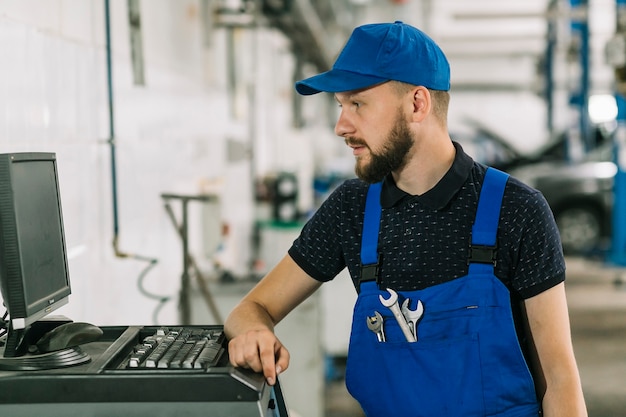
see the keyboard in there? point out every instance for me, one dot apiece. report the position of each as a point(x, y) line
point(138, 371)
point(177, 348)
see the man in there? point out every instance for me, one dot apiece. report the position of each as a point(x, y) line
point(462, 355)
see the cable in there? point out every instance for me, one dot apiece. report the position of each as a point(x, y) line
point(140, 285)
point(4, 327)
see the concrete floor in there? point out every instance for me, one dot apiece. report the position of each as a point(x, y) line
point(597, 304)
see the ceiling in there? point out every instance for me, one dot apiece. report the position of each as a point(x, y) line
point(491, 44)
point(468, 31)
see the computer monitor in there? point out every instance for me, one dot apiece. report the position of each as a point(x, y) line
point(34, 278)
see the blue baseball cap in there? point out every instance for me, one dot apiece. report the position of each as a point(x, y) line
point(381, 52)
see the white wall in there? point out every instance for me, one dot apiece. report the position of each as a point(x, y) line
point(170, 136)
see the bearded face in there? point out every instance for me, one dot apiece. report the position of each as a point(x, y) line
point(391, 157)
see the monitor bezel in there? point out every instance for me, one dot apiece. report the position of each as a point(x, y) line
point(23, 312)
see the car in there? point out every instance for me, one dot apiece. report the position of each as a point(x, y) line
point(580, 195)
point(486, 146)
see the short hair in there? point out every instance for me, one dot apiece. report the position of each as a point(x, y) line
point(440, 100)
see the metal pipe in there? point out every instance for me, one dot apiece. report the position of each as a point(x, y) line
point(111, 140)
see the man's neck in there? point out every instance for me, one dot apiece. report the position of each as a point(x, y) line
point(430, 161)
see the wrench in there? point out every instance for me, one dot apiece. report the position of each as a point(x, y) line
point(392, 304)
point(375, 324)
point(412, 316)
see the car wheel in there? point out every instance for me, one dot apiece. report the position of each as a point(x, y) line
point(580, 228)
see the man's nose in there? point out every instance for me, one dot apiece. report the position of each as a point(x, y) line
point(343, 126)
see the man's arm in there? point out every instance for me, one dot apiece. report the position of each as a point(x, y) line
point(549, 324)
point(250, 326)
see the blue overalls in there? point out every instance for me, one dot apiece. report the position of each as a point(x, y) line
point(467, 360)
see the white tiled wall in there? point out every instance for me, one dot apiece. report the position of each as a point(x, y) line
point(170, 136)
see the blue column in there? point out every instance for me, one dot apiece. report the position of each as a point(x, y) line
point(579, 97)
point(618, 243)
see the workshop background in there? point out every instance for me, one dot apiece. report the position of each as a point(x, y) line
point(187, 163)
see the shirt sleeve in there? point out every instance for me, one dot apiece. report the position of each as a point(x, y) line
point(537, 263)
point(318, 250)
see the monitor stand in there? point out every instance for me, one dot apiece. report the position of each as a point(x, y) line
point(18, 355)
point(37, 362)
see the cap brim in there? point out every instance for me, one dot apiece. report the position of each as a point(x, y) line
point(335, 81)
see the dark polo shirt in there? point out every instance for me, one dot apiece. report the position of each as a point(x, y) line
point(424, 240)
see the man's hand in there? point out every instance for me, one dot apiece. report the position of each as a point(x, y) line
point(250, 326)
point(261, 351)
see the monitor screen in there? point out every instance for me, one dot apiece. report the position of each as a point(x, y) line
point(34, 275)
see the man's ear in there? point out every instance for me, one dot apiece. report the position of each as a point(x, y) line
point(421, 103)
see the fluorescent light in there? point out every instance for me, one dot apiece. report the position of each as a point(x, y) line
point(602, 108)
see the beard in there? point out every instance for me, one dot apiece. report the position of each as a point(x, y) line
point(393, 155)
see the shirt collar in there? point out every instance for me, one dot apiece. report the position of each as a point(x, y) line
point(440, 195)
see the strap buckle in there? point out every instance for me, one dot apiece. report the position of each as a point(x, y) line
point(482, 254)
point(369, 272)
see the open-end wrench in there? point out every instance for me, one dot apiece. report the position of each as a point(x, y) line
point(375, 324)
point(412, 316)
point(392, 304)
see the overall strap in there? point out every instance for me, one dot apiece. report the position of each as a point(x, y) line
point(482, 254)
point(369, 238)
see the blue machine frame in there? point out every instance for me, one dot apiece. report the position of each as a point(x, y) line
point(618, 246)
